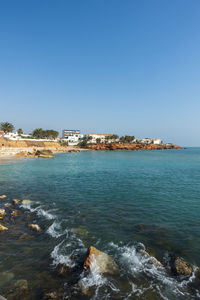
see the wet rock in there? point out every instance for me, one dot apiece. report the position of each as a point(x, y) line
point(7, 204)
point(44, 153)
point(15, 213)
point(51, 295)
point(102, 261)
point(26, 236)
point(21, 284)
point(20, 291)
point(151, 258)
point(3, 228)
point(6, 277)
point(2, 298)
point(180, 267)
point(63, 270)
point(2, 213)
point(81, 231)
point(35, 227)
point(3, 196)
point(16, 201)
point(24, 202)
point(197, 274)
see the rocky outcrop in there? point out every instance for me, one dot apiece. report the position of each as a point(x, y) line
point(180, 267)
point(100, 261)
point(130, 147)
point(35, 227)
point(44, 153)
point(26, 148)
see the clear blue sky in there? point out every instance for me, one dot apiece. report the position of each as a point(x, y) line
point(126, 67)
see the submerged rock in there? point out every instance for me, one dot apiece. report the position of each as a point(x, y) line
point(3, 228)
point(180, 267)
point(15, 213)
point(26, 236)
point(6, 277)
point(3, 196)
point(2, 213)
point(35, 227)
point(16, 201)
point(63, 270)
point(44, 153)
point(102, 261)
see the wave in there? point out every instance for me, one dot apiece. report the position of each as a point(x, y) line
point(39, 210)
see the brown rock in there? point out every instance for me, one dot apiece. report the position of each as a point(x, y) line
point(181, 267)
point(2, 213)
point(15, 201)
point(44, 153)
point(15, 213)
point(35, 227)
point(3, 228)
point(104, 263)
point(3, 196)
point(151, 258)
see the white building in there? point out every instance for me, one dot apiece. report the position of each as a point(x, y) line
point(147, 141)
point(72, 137)
point(101, 136)
point(157, 141)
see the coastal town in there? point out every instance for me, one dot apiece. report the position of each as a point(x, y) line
point(17, 143)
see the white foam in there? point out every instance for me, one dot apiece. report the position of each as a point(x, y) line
point(54, 230)
point(59, 257)
point(39, 210)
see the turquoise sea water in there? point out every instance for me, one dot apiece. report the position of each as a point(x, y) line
point(114, 201)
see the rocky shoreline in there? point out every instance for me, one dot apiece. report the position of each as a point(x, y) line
point(17, 223)
point(131, 147)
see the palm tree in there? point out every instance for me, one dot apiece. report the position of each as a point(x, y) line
point(7, 127)
point(20, 131)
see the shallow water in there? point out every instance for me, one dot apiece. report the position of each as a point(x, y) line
point(114, 201)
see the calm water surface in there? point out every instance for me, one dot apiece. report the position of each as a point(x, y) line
point(114, 201)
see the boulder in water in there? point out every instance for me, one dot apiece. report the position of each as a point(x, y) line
point(180, 267)
point(100, 260)
point(44, 153)
point(3, 228)
point(35, 227)
point(3, 196)
point(2, 298)
point(15, 201)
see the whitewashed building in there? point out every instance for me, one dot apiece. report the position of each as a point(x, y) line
point(72, 137)
point(147, 141)
point(101, 136)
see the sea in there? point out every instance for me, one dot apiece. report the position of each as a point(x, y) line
point(117, 201)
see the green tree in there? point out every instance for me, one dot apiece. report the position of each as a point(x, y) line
point(127, 139)
point(20, 131)
point(39, 133)
point(7, 127)
point(98, 140)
